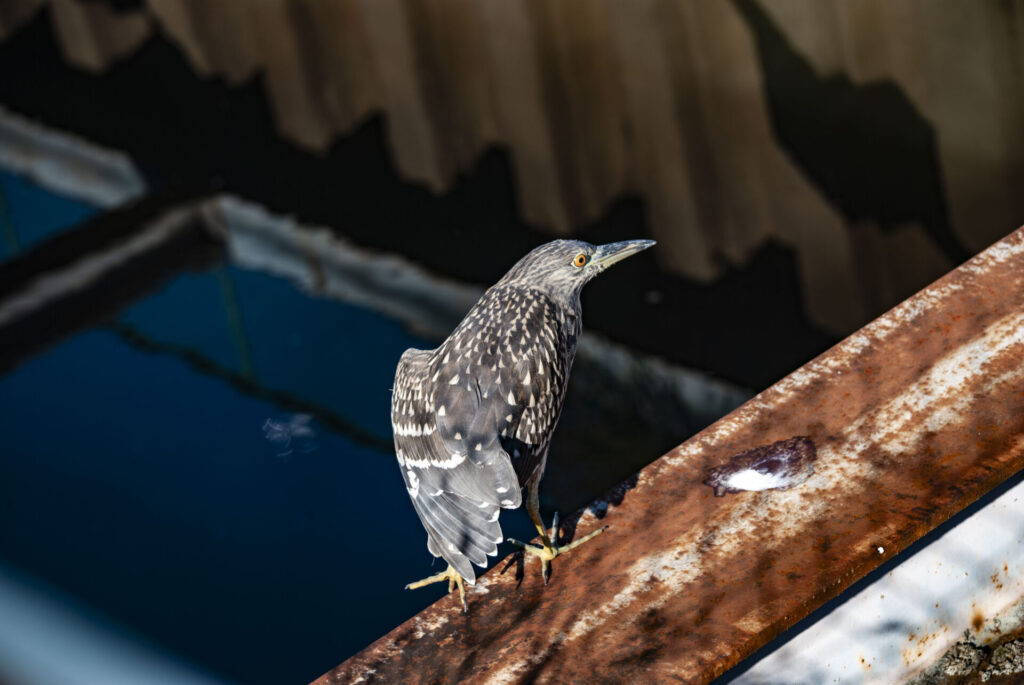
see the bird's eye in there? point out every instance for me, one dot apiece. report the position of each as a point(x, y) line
point(579, 260)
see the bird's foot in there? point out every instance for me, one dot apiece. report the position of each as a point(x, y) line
point(453, 578)
point(547, 550)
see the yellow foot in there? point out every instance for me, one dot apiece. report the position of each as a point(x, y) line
point(453, 578)
point(548, 551)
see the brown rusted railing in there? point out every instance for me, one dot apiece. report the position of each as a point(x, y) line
point(913, 418)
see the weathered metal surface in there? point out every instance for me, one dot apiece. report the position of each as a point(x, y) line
point(914, 417)
point(970, 579)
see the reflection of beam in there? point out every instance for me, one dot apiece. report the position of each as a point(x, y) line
point(316, 260)
point(915, 417)
point(285, 400)
point(66, 164)
point(233, 311)
point(84, 277)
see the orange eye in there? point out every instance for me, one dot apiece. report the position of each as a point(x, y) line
point(579, 260)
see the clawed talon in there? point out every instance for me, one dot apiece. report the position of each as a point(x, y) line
point(547, 551)
point(453, 578)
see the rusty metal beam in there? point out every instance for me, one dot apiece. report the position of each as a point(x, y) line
point(914, 417)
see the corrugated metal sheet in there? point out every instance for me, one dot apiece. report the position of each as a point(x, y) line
point(913, 418)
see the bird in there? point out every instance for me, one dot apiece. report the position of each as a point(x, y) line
point(473, 418)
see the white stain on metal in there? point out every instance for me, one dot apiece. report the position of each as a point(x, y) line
point(754, 480)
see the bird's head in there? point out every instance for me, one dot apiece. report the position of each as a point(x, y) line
point(562, 267)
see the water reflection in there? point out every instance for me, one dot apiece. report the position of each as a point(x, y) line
point(292, 436)
point(30, 214)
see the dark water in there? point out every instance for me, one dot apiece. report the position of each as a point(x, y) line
point(211, 469)
point(29, 214)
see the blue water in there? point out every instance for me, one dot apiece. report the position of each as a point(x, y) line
point(136, 473)
point(207, 329)
point(30, 214)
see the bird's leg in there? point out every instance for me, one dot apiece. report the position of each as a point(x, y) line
point(453, 578)
point(548, 551)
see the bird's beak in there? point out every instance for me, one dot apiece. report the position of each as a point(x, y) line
point(606, 255)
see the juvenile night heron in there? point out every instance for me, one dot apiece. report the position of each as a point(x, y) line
point(473, 419)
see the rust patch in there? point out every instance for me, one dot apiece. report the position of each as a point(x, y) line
point(914, 417)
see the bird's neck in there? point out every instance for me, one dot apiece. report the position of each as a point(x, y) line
point(567, 307)
point(566, 300)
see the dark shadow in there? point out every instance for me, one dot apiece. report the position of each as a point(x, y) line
point(566, 532)
point(599, 507)
point(865, 147)
point(517, 558)
point(120, 5)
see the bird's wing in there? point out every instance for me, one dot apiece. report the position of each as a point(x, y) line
point(498, 384)
point(457, 498)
